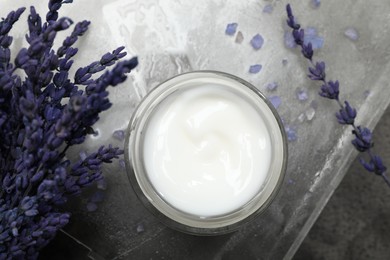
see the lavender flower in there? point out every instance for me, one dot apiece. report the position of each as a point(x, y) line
point(291, 19)
point(375, 165)
point(307, 50)
point(346, 115)
point(318, 71)
point(363, 137)
point(330, 89)
point(41, 116)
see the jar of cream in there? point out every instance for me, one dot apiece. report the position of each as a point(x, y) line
point(206, 152)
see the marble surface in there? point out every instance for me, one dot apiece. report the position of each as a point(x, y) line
point(355, 223)
point(171, 37)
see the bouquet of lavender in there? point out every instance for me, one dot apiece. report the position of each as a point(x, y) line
point(43, 112)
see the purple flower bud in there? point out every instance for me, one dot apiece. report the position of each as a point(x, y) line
point(4, 236)
point(291, 20)
point(346, 115)
point(307, 51)
point(299, 36)
point(318, 72)
point(37, 177)
point(330, 90)
point(60, 79)
point(37, 233)
point(5, 41)
point(5, 55)
point(375, 165)
point(363, 137)
point(28, 203)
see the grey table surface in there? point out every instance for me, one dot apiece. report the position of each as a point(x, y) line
point(171, 37)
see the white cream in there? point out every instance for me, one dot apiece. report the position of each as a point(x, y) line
point(207, 151)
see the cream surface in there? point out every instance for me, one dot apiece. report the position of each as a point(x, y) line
point(206, 151)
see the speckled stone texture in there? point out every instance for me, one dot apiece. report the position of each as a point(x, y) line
point(355, 224)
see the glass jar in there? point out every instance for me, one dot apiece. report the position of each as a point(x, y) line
point(154, 200)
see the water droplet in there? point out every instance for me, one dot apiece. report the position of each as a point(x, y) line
point(257, 42)
point(239, 37)
point(275, 100)
point(255, 68)
point(352, 34)
point(310, 114)
point(231, 29)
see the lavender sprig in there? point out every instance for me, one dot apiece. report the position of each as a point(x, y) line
point(330, 89)
point(41, 116)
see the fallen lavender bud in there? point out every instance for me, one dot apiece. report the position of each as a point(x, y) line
point(254, 69)
point(257, 42)
point(231, 29)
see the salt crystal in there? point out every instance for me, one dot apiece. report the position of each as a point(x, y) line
point(91, 207)
point(302, 94)
point(275, 100)
point(140, 228)
point(272, 86)
point(310, 113)
point(301, 117)
point(231, 28)
point(239, 37)
point(255, 68)
point(119, 135)
point(257, 42)
point(268, 9)
point(352, 34)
